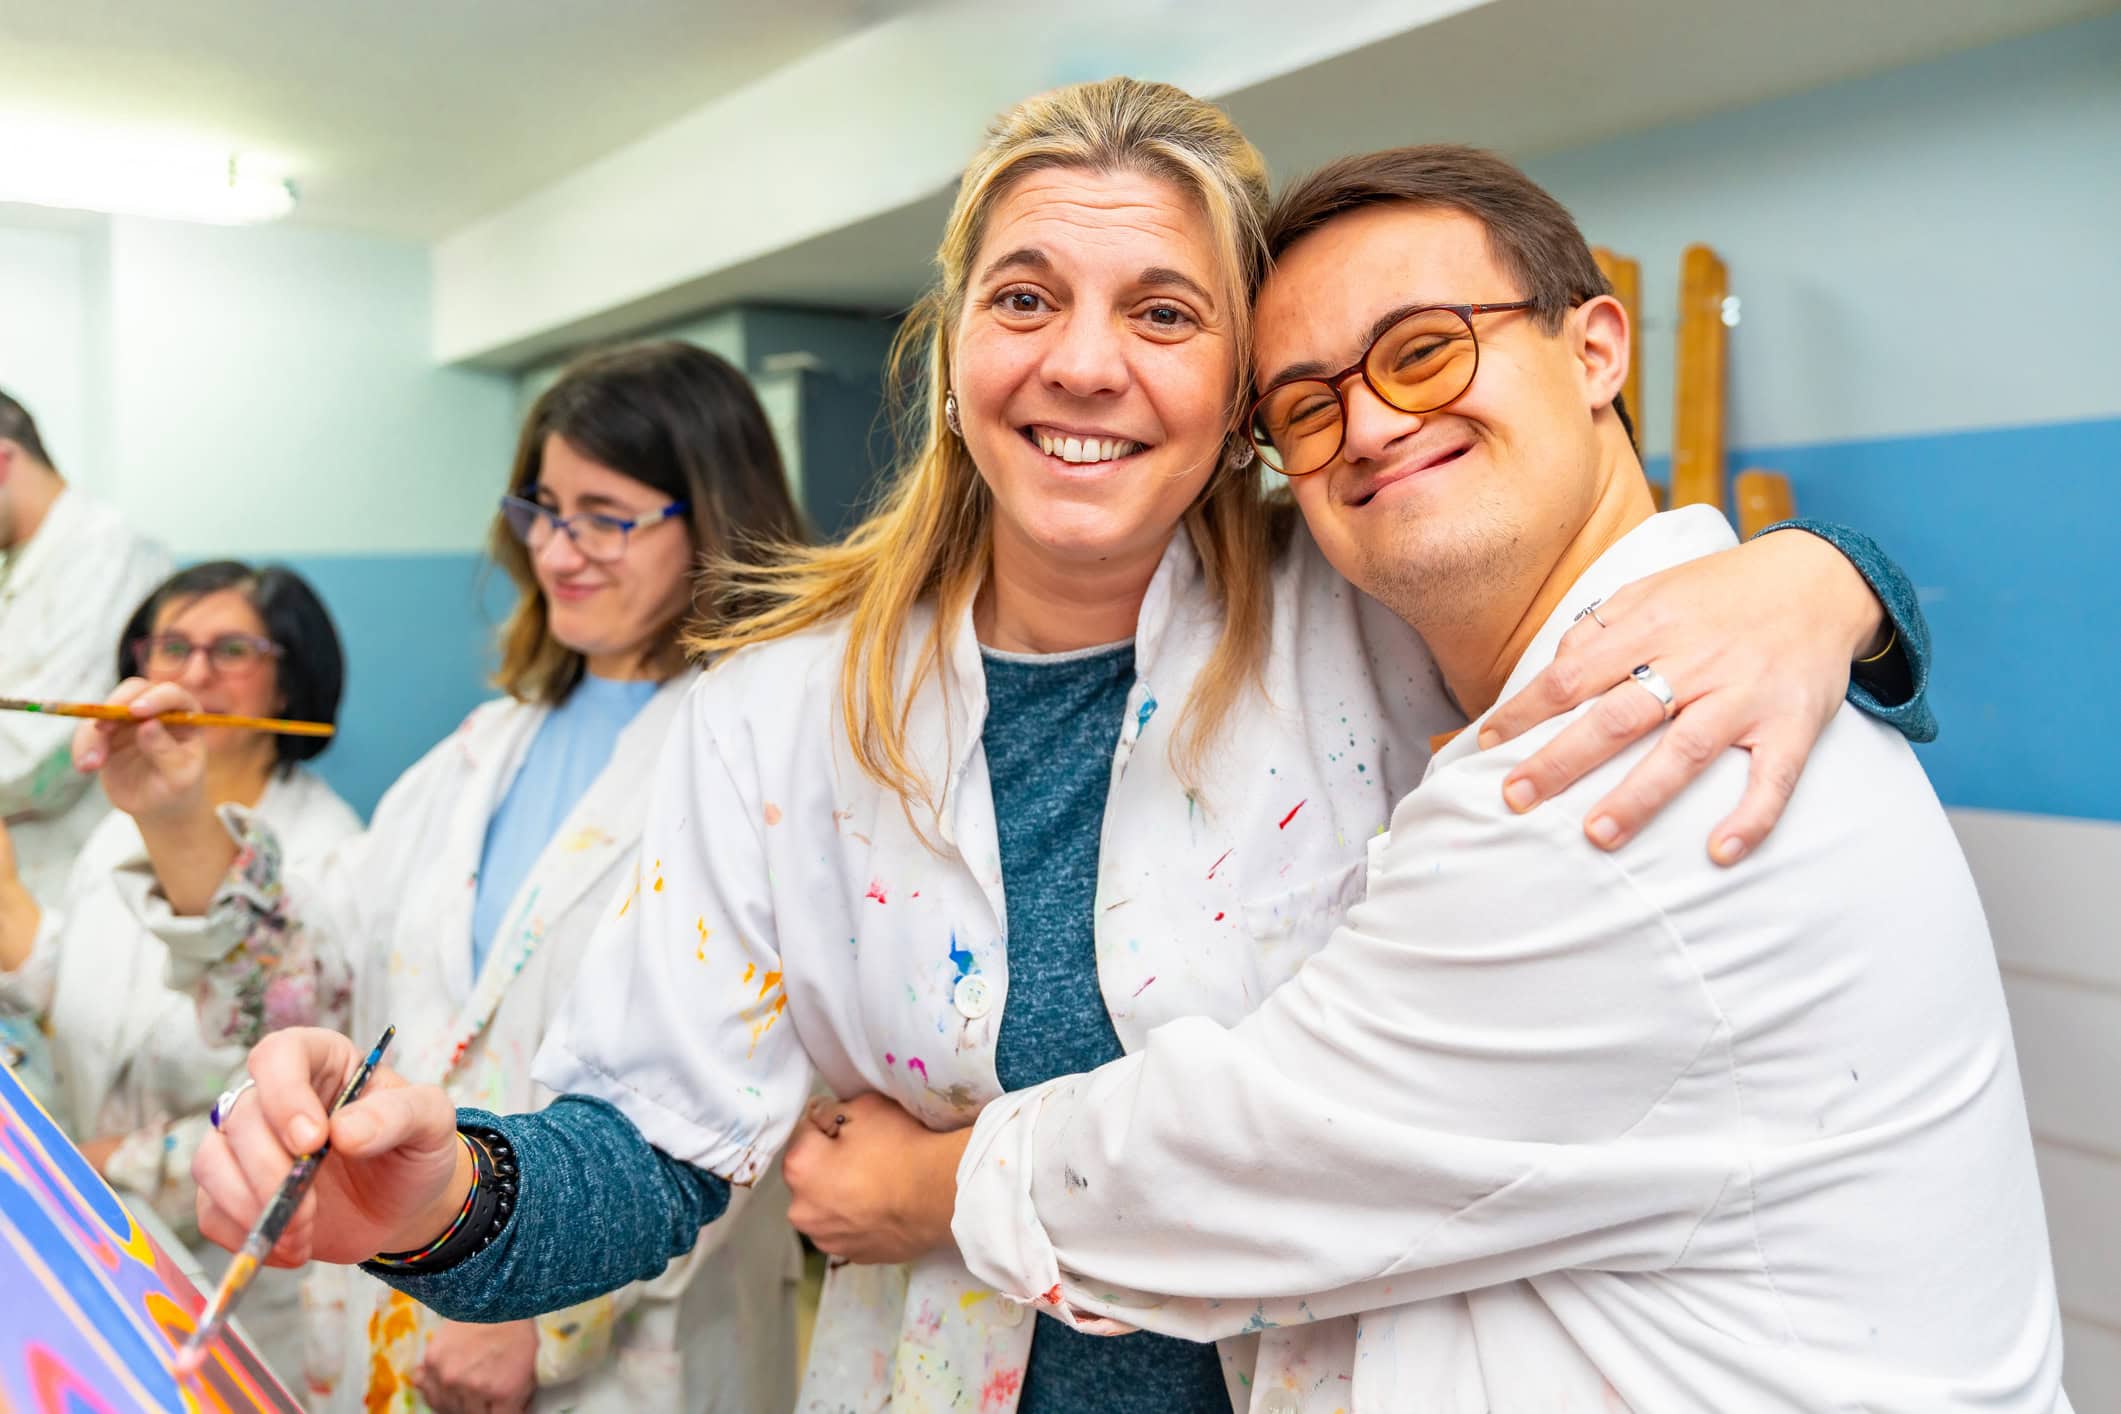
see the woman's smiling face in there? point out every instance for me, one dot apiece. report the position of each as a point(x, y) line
point(1093, 364)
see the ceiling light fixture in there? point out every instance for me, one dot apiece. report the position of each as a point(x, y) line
point(217, 188)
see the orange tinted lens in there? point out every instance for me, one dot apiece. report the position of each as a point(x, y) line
point(1424, 361)
point(1297, 427)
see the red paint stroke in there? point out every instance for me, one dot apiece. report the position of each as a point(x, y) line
point(914, 1063)
point(1001, 1387)
point(1218, 918)
point(876, 891)
point(1052, 1296)
point(1225, 855)
point(1143, 987)
point(1292, 812)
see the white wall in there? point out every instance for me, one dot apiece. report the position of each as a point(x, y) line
point(2048, 887)
point(261, 391)
point(274, 395)
point(1931, 249)
point(50, 353)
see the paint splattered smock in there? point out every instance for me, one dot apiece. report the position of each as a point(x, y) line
point(792, 927)
point(379, 930)
point(64, 599)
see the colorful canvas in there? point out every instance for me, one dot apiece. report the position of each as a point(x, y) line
point(91, 1310)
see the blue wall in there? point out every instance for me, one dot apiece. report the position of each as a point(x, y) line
point(418, 633)
point(2007, 534)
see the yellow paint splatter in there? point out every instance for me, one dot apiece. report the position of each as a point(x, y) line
point(971, 1299)
point(751, 970)
point(659, 876)
point(773, 813)
point(705, 933)
point(633, 891)
point(768, 1014)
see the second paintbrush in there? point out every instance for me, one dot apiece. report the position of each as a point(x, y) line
point(111, 712)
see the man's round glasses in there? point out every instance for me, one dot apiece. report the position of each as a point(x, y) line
point(599, 537)
point(1422, 362)
point(229, 655)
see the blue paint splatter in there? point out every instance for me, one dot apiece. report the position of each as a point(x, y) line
point(960, 957)
point(1141, 719)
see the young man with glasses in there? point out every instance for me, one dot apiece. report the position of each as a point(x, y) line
point(70, 571)
point(1574, 1130)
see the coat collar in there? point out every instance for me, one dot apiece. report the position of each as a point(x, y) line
point(1670, 538)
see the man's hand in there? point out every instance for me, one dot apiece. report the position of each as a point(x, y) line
point(871, 1183)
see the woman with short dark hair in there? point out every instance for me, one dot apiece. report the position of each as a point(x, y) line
point(135, 1080)
point(460, 915)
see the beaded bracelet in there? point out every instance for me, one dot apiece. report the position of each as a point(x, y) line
point(399, 1260)
point(487, 1208)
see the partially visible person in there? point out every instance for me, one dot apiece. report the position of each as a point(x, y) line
point(70, 569)
point(1577, 1131)
point(461, 915)
point(135, 1080)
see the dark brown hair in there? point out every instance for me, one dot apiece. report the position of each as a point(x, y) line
point(1532, 235)
point(17, 426)
point(312, 663)
point(672, 416)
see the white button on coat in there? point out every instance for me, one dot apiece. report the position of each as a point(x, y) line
point(974, 998)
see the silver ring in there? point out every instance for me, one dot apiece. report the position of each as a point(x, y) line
point(227, 1102)
point(1590, 609)
point(1653, 680)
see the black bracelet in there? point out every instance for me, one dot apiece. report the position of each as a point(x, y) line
point(493, 1203)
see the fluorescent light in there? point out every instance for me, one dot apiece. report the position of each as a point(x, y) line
point(176, 184)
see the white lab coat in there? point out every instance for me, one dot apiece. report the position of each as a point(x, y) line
point(1583, 1131)
point(64, 599)
point(386, 920)
point(128, 1051)
point(791, 925)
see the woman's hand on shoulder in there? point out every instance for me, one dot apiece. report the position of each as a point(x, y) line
point(1755, 644)
point(870, 1183)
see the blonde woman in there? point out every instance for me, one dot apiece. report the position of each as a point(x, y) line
point(1075, 736)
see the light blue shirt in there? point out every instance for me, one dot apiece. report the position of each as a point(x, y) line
point(567, 754)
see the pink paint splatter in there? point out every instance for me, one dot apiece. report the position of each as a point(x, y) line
point(1225, 855)
point(914, 1063)
point(1001, 1387)
point(1143, 987)
point(1292, 812)
point(773, 813)
point(890, 1059)
point(876, 891)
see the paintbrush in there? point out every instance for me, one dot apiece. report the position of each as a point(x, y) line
point(271, 1223)
point(111, 712)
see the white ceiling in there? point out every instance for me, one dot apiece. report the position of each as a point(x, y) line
point(400, 117)
point(1527, 77)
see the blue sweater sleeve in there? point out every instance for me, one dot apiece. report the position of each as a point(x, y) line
point(597, 1207)
point(1896, 692)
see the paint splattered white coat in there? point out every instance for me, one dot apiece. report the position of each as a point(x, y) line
point(793, 927)
point(64, 599)
point(385, 920)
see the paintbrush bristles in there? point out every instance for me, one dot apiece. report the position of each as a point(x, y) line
point(113, 712)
